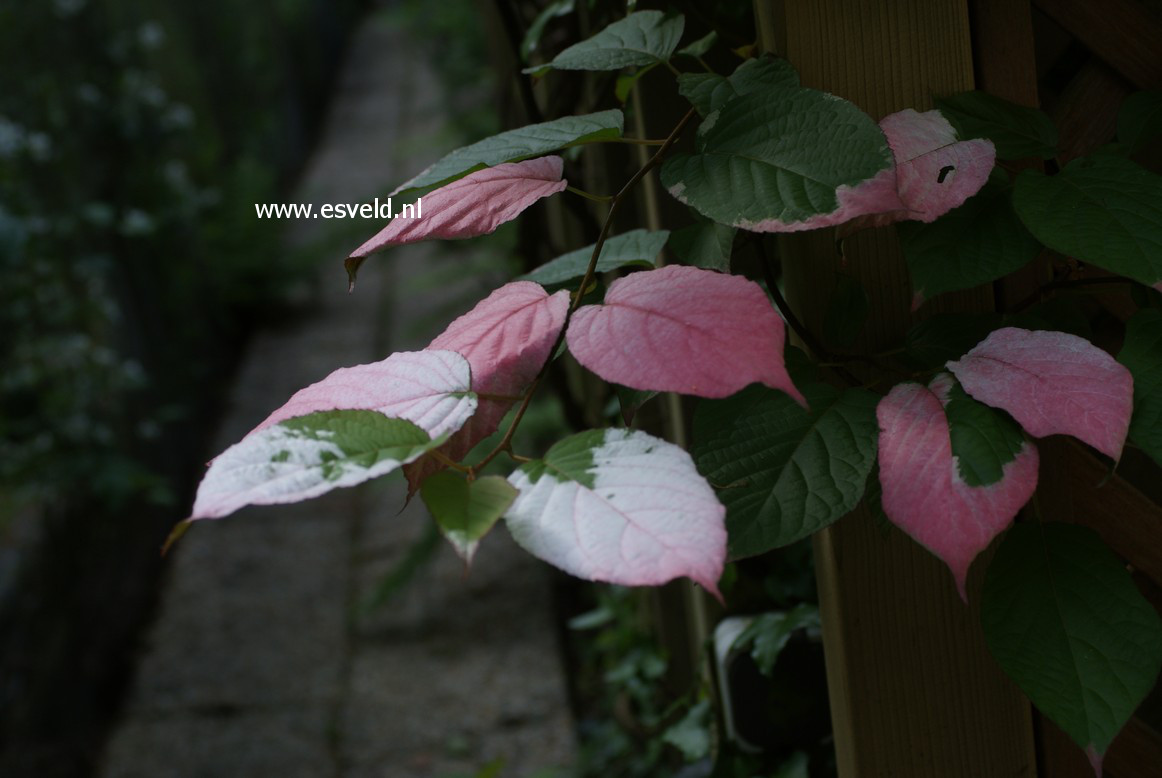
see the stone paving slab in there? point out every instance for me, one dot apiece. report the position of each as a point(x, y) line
point(257, 666)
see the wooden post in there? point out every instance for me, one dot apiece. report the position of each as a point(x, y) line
point(913, 690)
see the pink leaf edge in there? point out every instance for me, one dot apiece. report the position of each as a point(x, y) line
point(506, 338)
point(474, 205)
point(1052, 383)
point(683, 329)
point(923, 493)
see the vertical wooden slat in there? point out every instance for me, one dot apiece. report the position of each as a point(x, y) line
point(913, 691)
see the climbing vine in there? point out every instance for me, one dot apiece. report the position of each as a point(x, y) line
point(781, 448)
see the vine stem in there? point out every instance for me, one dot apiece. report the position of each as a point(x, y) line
point(613, 206)
point(505, 444)
point(589, 195)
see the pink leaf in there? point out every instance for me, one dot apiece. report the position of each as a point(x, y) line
point(1052, 383)
point(506, 339)
point(474, 205)
point(683, 329)
point(620, 506)
point(934, 172)
point(923, 493)
point(428, 388)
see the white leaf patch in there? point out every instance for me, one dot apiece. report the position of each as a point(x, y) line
point(356, 424)
point(307, 456)
point(620, 506)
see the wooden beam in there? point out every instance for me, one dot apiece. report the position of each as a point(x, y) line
point(913, 690)
point(1124, 33)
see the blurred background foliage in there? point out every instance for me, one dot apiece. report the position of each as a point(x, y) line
point(135, 136)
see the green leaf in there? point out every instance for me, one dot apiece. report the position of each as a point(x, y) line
point(571, 458)
point(783, 472)
point(515, 145)
point(775, 157)
point(642, 38)
point(1104, 209)
point(699, 47)
point(708, 92)
point(984, 439)
point(533, 35)
point(636, 247)
point(768, 634)
point(627, 81)
point(691, 735)
point(1140, 120)
point(704, 244)
point(947, 336)
point(847, 312)
point(1015, 130)
point(631, 400)
point(466, 510)
point(979, 242)
point(1142, 355)
point(1064, 620)
point(364, 439)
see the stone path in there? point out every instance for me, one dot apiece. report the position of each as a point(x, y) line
point(257, 665)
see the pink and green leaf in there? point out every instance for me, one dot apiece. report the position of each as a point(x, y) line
point(620, 506)
point(356, 424)
point(1053, 383)
point(923, 491)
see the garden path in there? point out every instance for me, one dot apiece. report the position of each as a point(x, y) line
point(259, 663)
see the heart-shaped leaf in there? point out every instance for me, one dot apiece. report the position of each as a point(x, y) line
point(474, 205)
point(1015, 130)
point(682, 329)
point(533, 140)
point(506, 338)
point(1142, 355)
point(1103, 209)
point(922, 490)
point(783, 159)
point(784, 472)
point(1063, 618)
point(466, 510)
point(307, 456)
point(642, 38)
point(636, 247)
point(978, 242)
point(620, 506)
point(1052, 383)
point(708, 92)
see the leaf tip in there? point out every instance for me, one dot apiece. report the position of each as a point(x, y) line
point(351, 265)
point(1095, 759)
point(175, 534)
